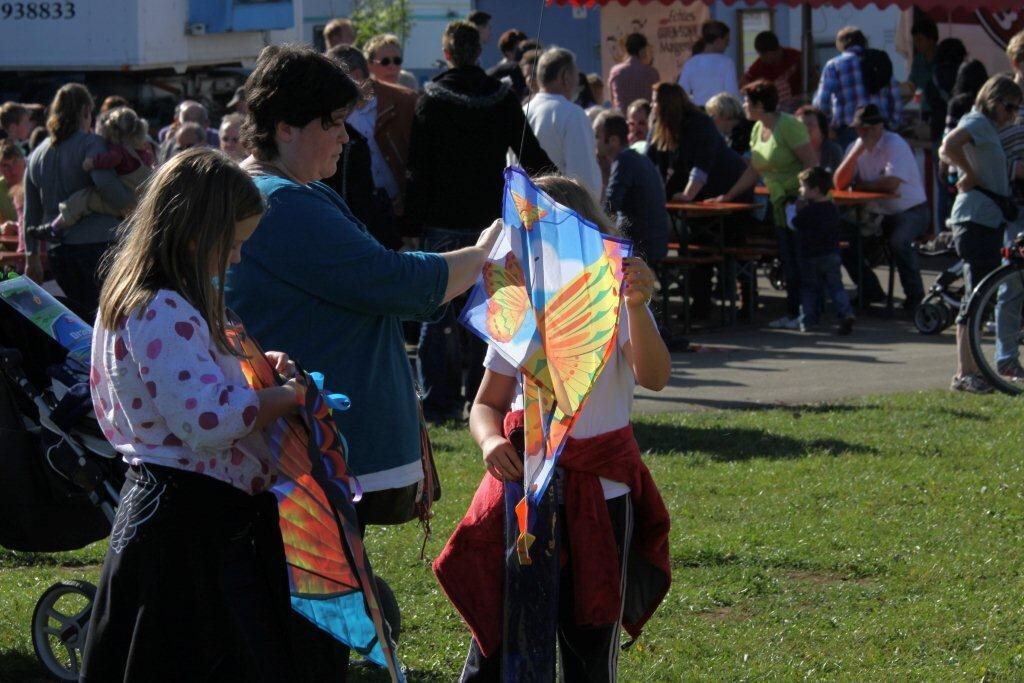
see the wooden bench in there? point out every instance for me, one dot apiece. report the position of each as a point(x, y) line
point(676, 268)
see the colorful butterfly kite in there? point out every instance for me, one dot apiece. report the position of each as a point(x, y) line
point(329, 576)
point(548, 302)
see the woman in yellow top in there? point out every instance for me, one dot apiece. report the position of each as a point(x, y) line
point(779, 149)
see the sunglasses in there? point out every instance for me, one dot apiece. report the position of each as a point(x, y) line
point(388, 61)
point(225, 138)
point(1011, 106)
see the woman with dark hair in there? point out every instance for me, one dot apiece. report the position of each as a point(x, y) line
point(53, 174)
point(779, 149)
point(828, 152)
point(709, 71)
point(949, 55)
point(315, 284)
point(695, 162)
point(694, 159)
point(585, 98)
point(970, 76)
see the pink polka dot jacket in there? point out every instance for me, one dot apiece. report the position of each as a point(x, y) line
point(164, 394)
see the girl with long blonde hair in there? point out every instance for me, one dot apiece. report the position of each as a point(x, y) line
point(183, 594)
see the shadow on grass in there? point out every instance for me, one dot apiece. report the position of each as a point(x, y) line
point(13, 559)
point(368, 673)
point(795, 569)
point(732, 444)
point(19, 667)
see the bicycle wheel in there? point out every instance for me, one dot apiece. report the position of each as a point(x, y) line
point(994, 324)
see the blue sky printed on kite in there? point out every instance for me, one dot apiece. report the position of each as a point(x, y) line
point(548, 302)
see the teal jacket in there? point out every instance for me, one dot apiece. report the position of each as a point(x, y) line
point(313, 283)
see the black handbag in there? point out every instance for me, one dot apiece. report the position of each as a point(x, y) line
point(1006, 204)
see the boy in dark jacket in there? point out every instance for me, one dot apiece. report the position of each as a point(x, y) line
point(816, 222)
point(465, 123)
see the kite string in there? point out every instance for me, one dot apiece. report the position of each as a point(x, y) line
point(533, 77)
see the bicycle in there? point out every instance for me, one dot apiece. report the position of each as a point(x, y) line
point(994, 316)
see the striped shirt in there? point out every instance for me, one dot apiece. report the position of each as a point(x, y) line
point(1012, 139)
point(841, 91)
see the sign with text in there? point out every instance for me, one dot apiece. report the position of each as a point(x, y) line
point(671, 31)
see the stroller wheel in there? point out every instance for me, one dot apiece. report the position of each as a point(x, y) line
point(948, 315)
point(60, 624)
point(930, 318)
point(389, 608)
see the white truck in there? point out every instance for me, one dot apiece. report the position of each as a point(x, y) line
point(155, 52)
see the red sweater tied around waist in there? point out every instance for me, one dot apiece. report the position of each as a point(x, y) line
point(470, 569)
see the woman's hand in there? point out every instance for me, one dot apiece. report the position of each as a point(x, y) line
point(720, 199)
point(501, 459)
point(967, 182)
point(87, 165)
point(9, 228)
point(489, 236)
point(283, 365)
point(639, 281)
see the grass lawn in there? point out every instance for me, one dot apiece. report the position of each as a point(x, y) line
point(877, 539)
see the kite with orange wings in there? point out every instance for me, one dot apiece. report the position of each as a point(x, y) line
point(548, 302)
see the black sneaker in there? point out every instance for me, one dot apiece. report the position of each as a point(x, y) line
point(911, 303)
point(846, 326)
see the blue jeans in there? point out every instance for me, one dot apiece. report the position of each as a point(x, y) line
point(816, 271)
point(789, 250)
point(900, 230)
point(450, 358)
point(1009, 301)
point(903, 229)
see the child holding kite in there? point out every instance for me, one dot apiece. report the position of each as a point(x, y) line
point(610, 512)
point(182, 594)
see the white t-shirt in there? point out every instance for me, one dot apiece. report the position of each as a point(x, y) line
point(609, 405)
point(707, 74)
point(565, 133)
point(892, 156)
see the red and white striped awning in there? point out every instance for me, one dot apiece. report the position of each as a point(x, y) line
point(970, 5)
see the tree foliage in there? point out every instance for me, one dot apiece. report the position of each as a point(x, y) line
point(372, 17)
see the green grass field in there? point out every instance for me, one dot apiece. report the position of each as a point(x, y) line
point(877, 539)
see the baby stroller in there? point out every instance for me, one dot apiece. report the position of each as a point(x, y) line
point(61, 477)
point(938, 309)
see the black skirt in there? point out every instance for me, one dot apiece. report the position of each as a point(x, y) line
point(193, 586)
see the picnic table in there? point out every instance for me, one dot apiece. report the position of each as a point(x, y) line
point(708, 219)
point(851, 198)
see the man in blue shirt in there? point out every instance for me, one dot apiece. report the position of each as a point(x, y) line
point(635, 193)
point(841, 91)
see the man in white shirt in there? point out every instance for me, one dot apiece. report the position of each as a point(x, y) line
point(882, 161)
point(561, 126)
point(710, 72)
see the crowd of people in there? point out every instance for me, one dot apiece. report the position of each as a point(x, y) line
point(349, 204)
